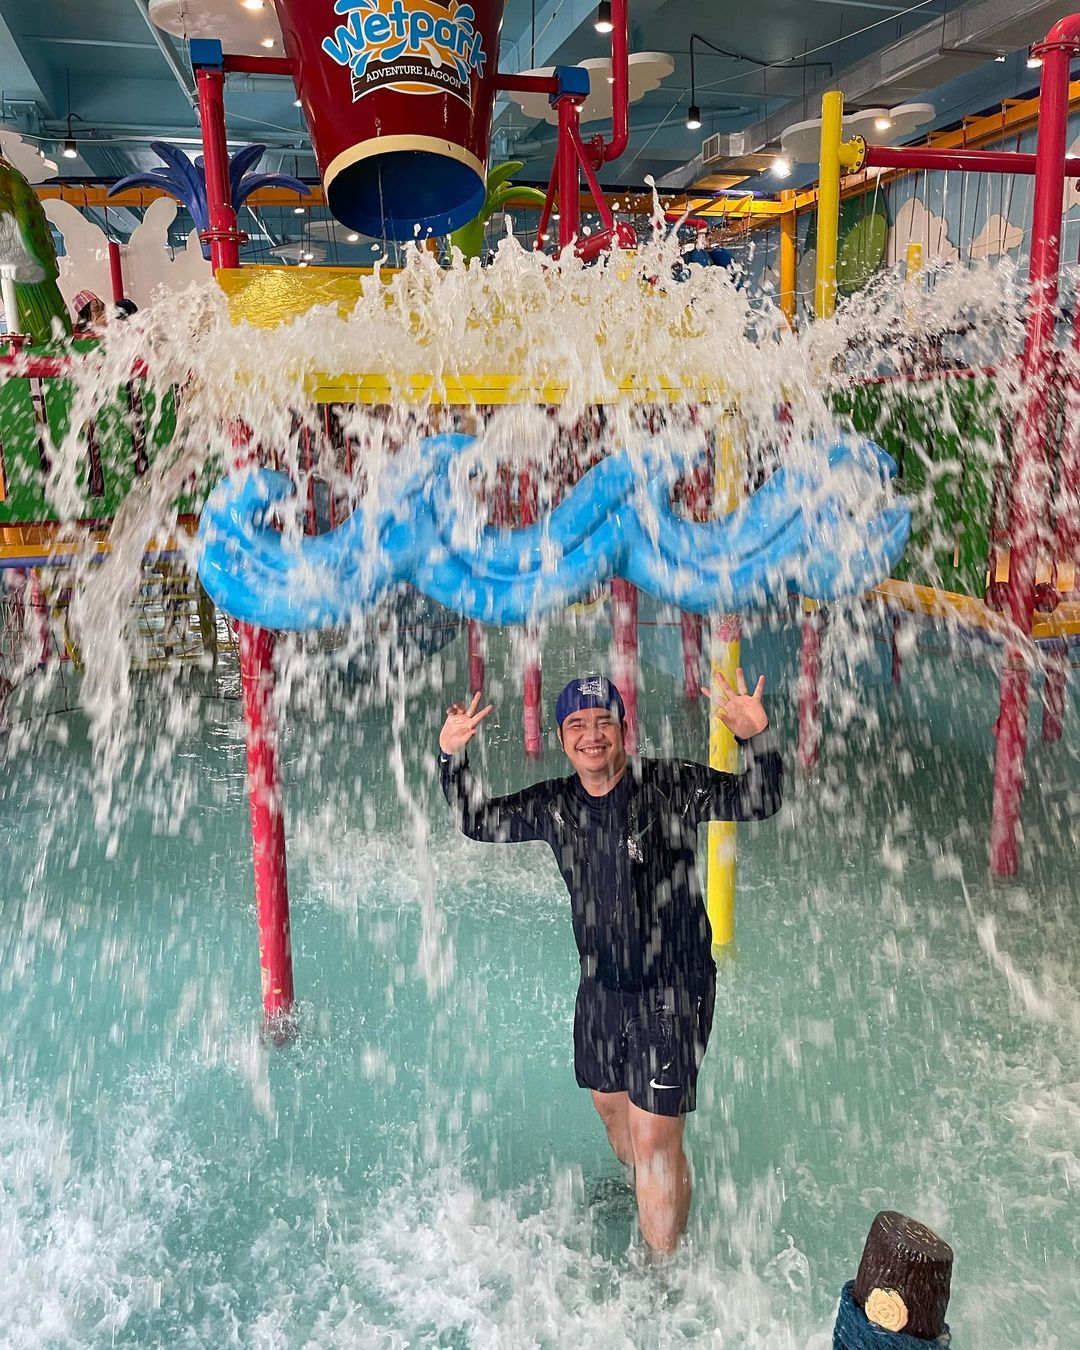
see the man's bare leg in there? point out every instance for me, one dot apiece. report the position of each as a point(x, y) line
point(661, 1176)
point(613, 1107)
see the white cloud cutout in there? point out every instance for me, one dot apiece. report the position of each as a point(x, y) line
point(647, 71)
point(914, 224)
point(998, 236)
point(25, 157)
point(147, 261)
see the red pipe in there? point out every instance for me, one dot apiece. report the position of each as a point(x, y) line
point(967, 161)
point(1029, 481)
point(527, 84)
point(691, 655)
point(116, 272)
point(620, 89)
point(259, 65)
point(265, 793)
point(624, 627)
point(35, 368)
point(476, 658)
point(809, 696)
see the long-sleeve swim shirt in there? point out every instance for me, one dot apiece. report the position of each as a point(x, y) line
point(629, 858)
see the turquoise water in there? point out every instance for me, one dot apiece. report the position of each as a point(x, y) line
point(419, 1169)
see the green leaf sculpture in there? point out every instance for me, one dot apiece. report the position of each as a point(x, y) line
point(470, 238)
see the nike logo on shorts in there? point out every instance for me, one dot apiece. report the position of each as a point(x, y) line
point(664, 1087)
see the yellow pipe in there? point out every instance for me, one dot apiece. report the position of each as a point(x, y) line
point(828, 216)
point(789, 262)
point(724, 655)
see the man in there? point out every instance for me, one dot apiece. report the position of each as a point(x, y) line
point(624, 833)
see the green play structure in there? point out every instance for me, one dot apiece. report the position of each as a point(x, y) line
point(945, 434)
point(123, 442)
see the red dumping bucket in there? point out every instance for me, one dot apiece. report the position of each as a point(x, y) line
point(398, 96)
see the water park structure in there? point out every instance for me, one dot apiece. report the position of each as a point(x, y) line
point(875, 481)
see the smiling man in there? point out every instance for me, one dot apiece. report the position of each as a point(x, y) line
point(624, 834)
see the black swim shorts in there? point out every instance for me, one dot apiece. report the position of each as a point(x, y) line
point(649, 1045)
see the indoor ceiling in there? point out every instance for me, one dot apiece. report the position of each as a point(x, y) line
point(122, 82)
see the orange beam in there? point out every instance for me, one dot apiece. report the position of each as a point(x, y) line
point(87, 195)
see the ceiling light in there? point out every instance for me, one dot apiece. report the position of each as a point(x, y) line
point(1034, 61)
point(267, 42)
point(882, 123)
point(352, 238)
point(1000, 60)
point(693, 118)
point(603, 22)
point(782, 166)
point(71, 150)
point(253, 4)
point(298, 103)
point(299, 210)
point(309, 257)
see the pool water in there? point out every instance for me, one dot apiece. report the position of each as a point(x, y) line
point(419, 1169)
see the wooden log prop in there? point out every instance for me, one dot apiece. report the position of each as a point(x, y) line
point(900, 1295)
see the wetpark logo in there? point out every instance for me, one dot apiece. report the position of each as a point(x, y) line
point(413, 46)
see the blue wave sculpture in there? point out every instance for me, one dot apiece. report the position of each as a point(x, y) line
point(798, 531)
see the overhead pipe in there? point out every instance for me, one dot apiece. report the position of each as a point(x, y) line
point(168, 51)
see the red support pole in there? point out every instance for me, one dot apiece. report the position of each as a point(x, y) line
point(223, 234)
point(116, 272)
point(1055, 688)
point(534, 721)
point(267, 823)
point(476, 657)
point(624, 663)
point(265, 793)
point(1029, 480)
point(809, 695)
point(691, 655)
point(569, 172)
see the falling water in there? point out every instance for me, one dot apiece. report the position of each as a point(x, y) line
point(419, 1168)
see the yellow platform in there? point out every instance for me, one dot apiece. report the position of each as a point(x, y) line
point(267, 297)
point(969, 612)
point(55, 546)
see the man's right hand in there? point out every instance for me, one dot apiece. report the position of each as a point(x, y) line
point(461, 725)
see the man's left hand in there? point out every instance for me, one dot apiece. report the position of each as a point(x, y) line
point(740, 711)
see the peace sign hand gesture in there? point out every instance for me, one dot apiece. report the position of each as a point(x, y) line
point(461, 725)
point(740, 711)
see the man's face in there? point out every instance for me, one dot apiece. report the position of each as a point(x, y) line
point(593, 741)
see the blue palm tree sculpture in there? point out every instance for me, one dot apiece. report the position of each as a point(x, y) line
point(187, 181)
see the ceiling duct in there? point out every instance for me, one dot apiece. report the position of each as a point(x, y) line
point(971, 35)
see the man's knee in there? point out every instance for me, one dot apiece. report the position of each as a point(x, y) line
point(657, 1140)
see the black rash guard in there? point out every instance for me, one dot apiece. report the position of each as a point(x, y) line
point(628, 858)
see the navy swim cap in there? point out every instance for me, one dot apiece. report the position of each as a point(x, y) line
point(591, 692)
